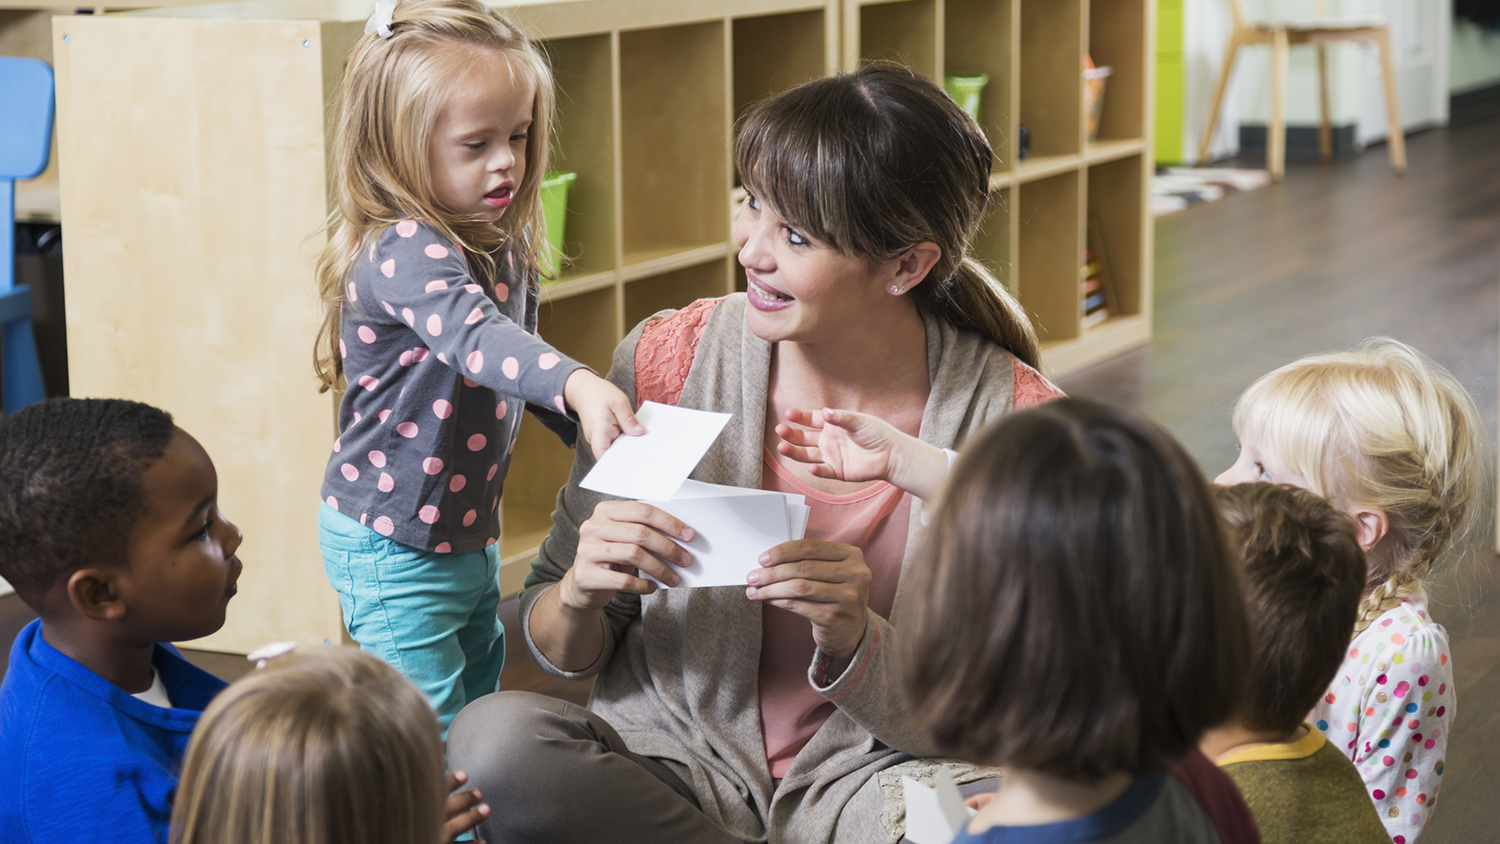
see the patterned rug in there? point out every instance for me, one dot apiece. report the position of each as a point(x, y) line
point(1176, 188)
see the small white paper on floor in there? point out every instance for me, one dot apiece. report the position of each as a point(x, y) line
point(652, 466)
point(730, 532)
point(934, 814)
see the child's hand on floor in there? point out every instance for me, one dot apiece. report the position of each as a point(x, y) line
point(845, 445)
point(603, 410)
point(465, 810)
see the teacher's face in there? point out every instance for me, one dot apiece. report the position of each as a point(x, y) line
point(800, 289)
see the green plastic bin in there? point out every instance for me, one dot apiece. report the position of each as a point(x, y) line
point(965, 90)
point(555, 212)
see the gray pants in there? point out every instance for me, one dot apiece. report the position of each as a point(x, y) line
point(553, 771)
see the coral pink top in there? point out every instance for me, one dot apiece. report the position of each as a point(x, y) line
point(874, 519)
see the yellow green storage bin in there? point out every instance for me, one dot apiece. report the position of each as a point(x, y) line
point(555, 213)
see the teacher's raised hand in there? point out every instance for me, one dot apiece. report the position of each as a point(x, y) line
point(827, 583)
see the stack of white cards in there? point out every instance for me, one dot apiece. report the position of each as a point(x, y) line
point(934, 814)
point(732, 526)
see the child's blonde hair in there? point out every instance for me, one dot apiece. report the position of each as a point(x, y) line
point(1384, 427)
point(390, 98)
point(327, 746)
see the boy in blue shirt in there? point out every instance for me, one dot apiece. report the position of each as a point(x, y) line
point(110, 530)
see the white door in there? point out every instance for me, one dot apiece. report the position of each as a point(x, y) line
point(1419, 37)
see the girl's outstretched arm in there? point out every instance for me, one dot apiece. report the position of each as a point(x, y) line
point(846, 445)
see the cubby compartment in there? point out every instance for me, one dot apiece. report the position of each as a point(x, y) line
point(992, 247)
point(1051, 69)
point(673, 142)
point(775, 52)
point(1117, 39)
point(583, 143)
point(905, 31)
point(979, 37)
point(646, 296)
point(1049, 253)
point(1113, 223)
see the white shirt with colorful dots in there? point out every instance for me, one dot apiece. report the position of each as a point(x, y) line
point(438, 371)
point(1390, 710)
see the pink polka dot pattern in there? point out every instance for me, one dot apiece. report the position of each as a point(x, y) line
point(419, 354)
point(366, 334)
point(557, 401)
point(548, 360)
point(470, 382)
point(357, 417)
point(338, 445)
point(388, 268)
point(469, 518)
point(411, 318)
point(500, 410)
point(457, 483)
point(475, 362)
point(511, 367)
point(442, 357)
point(369, 382)
point(436, 284)
point(386, 482)
point(332, 502)
point(384, 415)
point(406, 228)
point(384, 526)
point(474, 316)
point(477, 442)
point(407, 429)
point(490, 476)
point(405, 358)
point(502, 291)
point(388, 309)
point(443, 548)
point(436, 251)
point(377, 459)
point(473, 288)
point(428, 514)
point(343, 349)
point(432, 465)
point(435, 325)
point(353, 292)
point(442, 408)
point(350, 473)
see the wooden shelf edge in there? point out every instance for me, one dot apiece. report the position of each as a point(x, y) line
point(1002, 180)
point(644, 268)
point(1043, 166)
point(759, 8)
point(513, 571)
point(1095, 345)
point(577, 285)
point(1101, 152)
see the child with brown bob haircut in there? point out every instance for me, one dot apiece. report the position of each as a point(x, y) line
point(110, 530)
point(1304, 573)
point(1080, 626)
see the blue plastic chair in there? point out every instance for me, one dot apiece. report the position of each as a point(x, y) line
point(25, 141)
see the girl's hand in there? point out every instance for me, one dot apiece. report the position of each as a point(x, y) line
point(603, 410)
point(824, 582)
point(464, 810)
point(844, 445)
point(620, 540)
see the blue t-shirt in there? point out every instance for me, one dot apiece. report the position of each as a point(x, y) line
point(80, 758)
point(1154, 809)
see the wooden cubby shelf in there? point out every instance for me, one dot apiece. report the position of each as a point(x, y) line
point(648, 95)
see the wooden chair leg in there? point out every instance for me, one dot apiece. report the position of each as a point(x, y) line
point(1397, 139)
point(1325, 129)
point(1230, 52)
point(1276, 132)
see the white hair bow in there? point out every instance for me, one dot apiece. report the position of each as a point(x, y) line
point(380, 20)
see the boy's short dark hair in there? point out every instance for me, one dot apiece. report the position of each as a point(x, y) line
point(1304, 574)
point(70, 486)
point(1080, 613)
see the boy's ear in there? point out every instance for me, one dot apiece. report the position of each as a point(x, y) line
point(1372, 526)
point(94, 594)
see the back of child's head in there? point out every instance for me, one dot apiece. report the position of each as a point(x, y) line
point(1079, 610)
point(70, 486)
point(1384, 427)
point(875, 162)
point(1303, 574)
point(326, 746)
point(393, 91)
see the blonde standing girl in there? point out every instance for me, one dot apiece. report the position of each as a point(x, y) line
point(430, 290)
point(1392, 439)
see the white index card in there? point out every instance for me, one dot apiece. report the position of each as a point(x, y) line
point(654, 464)
point(934, 815)
point(730, 532)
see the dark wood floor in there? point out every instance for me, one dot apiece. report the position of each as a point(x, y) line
point(1334, 254)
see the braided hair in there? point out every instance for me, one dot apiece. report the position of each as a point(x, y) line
point(70, 489)
point(1380, 426)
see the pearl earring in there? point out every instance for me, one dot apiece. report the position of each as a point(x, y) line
point(895, 289)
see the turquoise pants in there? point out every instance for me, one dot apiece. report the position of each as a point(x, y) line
point(431, 616)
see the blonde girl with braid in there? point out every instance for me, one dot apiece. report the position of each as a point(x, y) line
point(1392, 439)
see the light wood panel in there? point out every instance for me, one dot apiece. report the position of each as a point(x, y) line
point(192, 292)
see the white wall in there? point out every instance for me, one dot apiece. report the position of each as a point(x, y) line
point(1474, 57)
point(1345, 64)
